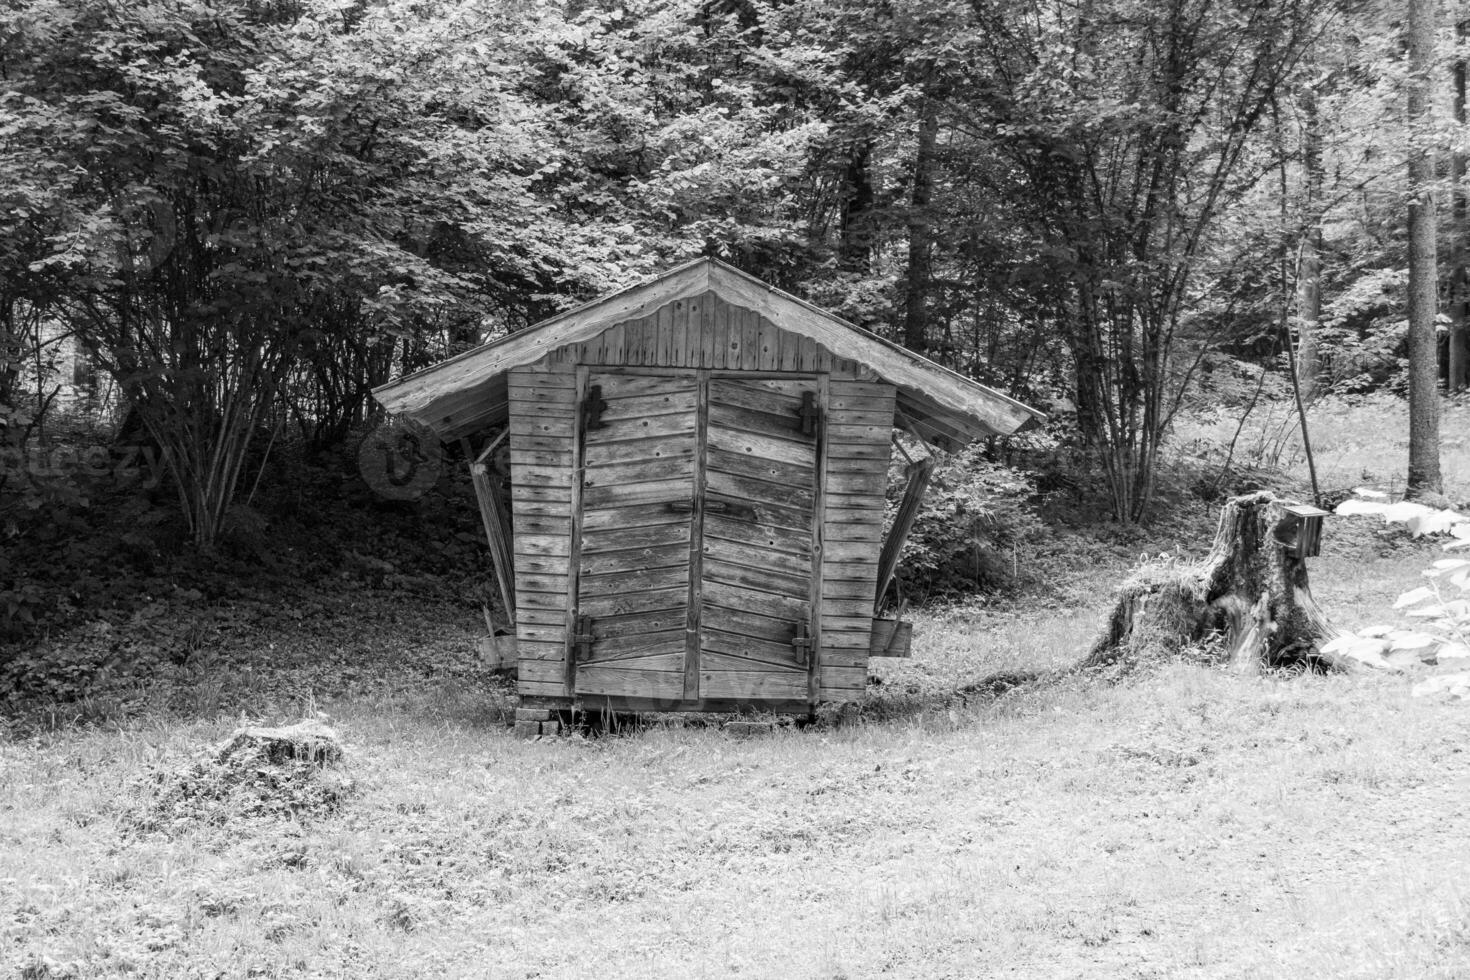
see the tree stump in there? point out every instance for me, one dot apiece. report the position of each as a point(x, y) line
point(305, 741)
point(1247, 604)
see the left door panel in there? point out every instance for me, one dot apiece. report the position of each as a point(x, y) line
point(638, 487)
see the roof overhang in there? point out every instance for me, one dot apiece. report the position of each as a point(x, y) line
point(466, 393)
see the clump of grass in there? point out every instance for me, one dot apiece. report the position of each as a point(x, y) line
point(294, 772)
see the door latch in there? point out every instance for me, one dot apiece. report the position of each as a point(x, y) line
point(802, 643)
point(582, 638)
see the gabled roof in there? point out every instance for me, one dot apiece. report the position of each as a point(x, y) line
point(466, 393)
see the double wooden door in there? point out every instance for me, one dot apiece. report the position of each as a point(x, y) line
point(696, 549)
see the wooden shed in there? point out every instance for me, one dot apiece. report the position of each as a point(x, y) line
point(698, 467)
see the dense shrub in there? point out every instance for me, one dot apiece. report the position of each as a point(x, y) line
point(971, 529)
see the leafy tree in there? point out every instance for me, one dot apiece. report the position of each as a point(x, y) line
point(236, 181)
point(1129, 129)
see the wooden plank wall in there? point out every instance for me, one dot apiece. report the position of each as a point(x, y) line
point(707, 332)
point(700, 332)
point(543, 430)
point(859, 431)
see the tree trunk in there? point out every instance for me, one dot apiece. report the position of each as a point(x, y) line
point(921, 233)
point(855, 249)
point(1309, 271)
point(1247, 604)
point(1424, 475)
point(1459, 360)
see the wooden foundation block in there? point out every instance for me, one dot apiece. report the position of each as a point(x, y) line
point(534, 714)
point(528, 729)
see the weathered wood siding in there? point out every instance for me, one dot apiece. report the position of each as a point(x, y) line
point(859, 430)
point(566, 532)
point(632, 573)
point(758, 539)
point(543, 436)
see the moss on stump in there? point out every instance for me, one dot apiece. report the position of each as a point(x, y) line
point(1248, 603)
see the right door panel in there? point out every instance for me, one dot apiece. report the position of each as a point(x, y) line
point(760, 497)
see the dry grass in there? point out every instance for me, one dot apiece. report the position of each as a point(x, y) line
point(1185, 823)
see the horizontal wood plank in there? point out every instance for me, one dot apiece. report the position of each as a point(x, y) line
point(630, 683)
point(764, 603)
point(636, 537)
point(745, 623)
point(850, 590)
point(781, 476)
point(535, 424)
point(844, 657)
point(837, 464)
point(757, 445)
point(622, 495)
point(638, 624)
point(748, 648)
point(742, 487)
point(752, 685)
point(635, 579)
point(647, 645)
point(541, 564)
point(849, 551)
point(673, 465)
point(556, 584)
point(537, 524)
point(543, 545)
point(531, 635)
point(617, 430)
point(762, 579)
point(625, 602)
point(637, 643)
point(870, 531)
point(750, 556)
point(523, 494)
point(548, 672)
point(528, 688)
point(638, 513)
point(660, 658)
point(624, 562)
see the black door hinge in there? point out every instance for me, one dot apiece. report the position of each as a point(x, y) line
point(592, 408)
point(809, 413)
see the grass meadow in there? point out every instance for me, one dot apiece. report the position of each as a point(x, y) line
point(1179, 822)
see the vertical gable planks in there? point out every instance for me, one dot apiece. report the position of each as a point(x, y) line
point(855, 475)
point(707, 332)
point(543, 406)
